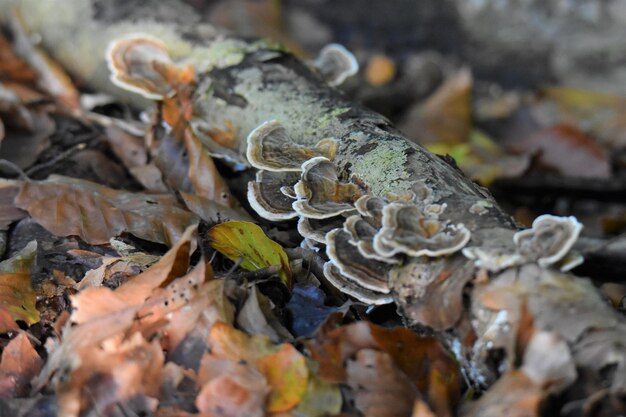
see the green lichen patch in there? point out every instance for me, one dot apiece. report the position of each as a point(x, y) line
point(383, 168)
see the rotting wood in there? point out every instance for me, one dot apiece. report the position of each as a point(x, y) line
point(246, 83)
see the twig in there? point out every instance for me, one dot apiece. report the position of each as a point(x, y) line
point(58, 158)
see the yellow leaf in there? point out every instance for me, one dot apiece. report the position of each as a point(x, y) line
point(287, 374)
point(246, 241)
point(16, 291)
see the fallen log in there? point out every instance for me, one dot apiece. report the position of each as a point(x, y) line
point(399, 223)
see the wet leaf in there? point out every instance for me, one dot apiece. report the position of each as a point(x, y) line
point(246, 241)
point(68, 206)
point(17, 295)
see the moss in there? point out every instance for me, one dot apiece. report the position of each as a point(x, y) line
point(383, 168)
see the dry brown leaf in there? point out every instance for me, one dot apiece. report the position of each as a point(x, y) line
point(51, 77)
point(239, 391)
point(579, 149)
point(8, 212)
point(513, 395)
point(19, 364)
point(380, 388)
point(68, 206)
point(423, 360)
point(211, 211)
point(207, 181)
point(172, 265)
point(445, 117)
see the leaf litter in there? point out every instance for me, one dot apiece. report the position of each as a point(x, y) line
point(162, 322)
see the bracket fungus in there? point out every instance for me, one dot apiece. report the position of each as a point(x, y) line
point(418, 231)
point(335, 63)
point(320, 193)
point(141, 64)
point(366, 236)
point(548, 242)
point(271, 148)
point(266, 195)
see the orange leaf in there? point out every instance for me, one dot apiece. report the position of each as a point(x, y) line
point(287, 374)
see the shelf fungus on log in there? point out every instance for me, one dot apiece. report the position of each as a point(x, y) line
point(393, 217)
point(547, 243)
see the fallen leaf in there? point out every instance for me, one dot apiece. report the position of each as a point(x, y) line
point(246, 241)
point(129, 148)
point(19, 364)
point(256, 317)
point(320, 399)
point(206, 180)
point(308, 310)
point(513, 395)
point(423, 360)
point(380, 388)
point(8, 212)
point(211, 211)
point(172, 265)
point(601, 115)
point(287, 374)
point(68, 206)
point(17, 295)
point(445, 116)
point(483, 160)
point(239, 390)
point(581, 150)
point(52, 78)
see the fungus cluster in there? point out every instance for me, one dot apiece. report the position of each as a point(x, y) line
point(366, 236)
point(547, 243)
point(370, 239)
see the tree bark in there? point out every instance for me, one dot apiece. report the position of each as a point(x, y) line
point(250, 82)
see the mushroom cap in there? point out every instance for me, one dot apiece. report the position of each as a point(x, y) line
point(266, 197)
point(407, 230)
point(320, 193)
point(334, 276)
point(271, 148)
point(138, 63)
point(549, 239)
point(335, 63)
point(368, 273)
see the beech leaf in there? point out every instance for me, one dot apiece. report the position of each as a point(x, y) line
point(17, 295)
point(69, 206)
point(246, 241)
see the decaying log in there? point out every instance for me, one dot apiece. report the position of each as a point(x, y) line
point(501, 294)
